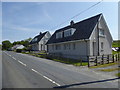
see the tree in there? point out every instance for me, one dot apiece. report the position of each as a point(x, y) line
point(25, 43)
point(6, 45)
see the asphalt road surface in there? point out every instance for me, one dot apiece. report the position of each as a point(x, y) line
point(25, 71)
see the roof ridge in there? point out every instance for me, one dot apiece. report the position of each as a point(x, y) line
point(81, 21)
point(83, 28)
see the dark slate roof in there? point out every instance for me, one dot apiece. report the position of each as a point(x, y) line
point(83, 30)
point(39, 37)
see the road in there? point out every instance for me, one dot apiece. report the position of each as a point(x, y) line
point(25, 71)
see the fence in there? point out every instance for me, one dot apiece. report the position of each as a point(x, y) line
point(103, 59)
point(91, 60)
point(65, 58)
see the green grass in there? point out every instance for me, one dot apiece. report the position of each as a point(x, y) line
point(115, 52)
point(116, 43)
point(25, 53)
point(118, 74)
point(71, 62)
point(105, 65)
point(42, 53)
point(109, 70)
point(62, 60)
point(81, 64)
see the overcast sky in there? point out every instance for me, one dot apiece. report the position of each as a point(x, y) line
point(21, 20)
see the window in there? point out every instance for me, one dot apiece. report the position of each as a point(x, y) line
point(59, 35)
point(34, 40)
point(101, 45)
point(101, 32)
point(52, 47)
point(74, 46)
point(73, 30)
point(67, 46)
point(57, 47)
point(69, 32)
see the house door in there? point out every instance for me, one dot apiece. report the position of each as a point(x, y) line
point(94, 48)
point(41, 47)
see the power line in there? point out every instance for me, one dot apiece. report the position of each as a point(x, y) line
point(78, 14)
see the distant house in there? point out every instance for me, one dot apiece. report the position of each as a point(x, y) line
point(17, 47)
point(39, 41)
point(79, 40)
point(116, 48)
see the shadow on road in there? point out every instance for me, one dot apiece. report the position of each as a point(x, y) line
point(76, 84)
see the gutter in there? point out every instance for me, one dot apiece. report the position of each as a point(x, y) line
point(69, 41)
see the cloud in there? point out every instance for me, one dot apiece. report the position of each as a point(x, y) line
point(40, 3)
point(47, 14)
point(7, 26)
point(18, 28)
point(39, 19)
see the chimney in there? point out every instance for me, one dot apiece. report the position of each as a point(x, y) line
point(40, 33)
point(72, 22)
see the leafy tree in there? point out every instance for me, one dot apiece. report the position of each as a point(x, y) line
point(6, 45)
point(24, 43)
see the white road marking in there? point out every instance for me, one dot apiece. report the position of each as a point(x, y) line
point(45, 77)
point(14, 58)
point(22, 63)
point(35, 70)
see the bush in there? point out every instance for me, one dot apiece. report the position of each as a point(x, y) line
point(19, 50)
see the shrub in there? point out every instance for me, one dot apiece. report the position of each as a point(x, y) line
point(19, 50)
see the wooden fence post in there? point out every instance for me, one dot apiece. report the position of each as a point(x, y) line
point(108, 59)
point(113, 58)
point(80, 62)
point(103, 59)
point(88, 61)
point(96, 61)
point(116, 57)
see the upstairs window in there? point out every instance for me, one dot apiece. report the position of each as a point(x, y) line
point(101, 32)
point(69, 32)
point(58, 35)
point(35, 39)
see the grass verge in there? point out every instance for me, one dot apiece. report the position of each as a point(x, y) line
point(71, 62)
point(109, 70)
point(62, 60)
point(105, 65)
point(118, 74)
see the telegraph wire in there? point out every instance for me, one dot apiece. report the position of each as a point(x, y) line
point(78, 14)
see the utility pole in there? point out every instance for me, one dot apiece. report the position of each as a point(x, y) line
point(98, 37)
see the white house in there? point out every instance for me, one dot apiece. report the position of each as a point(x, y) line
point(18, 46)
point(39, 41)
point(79, 40)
